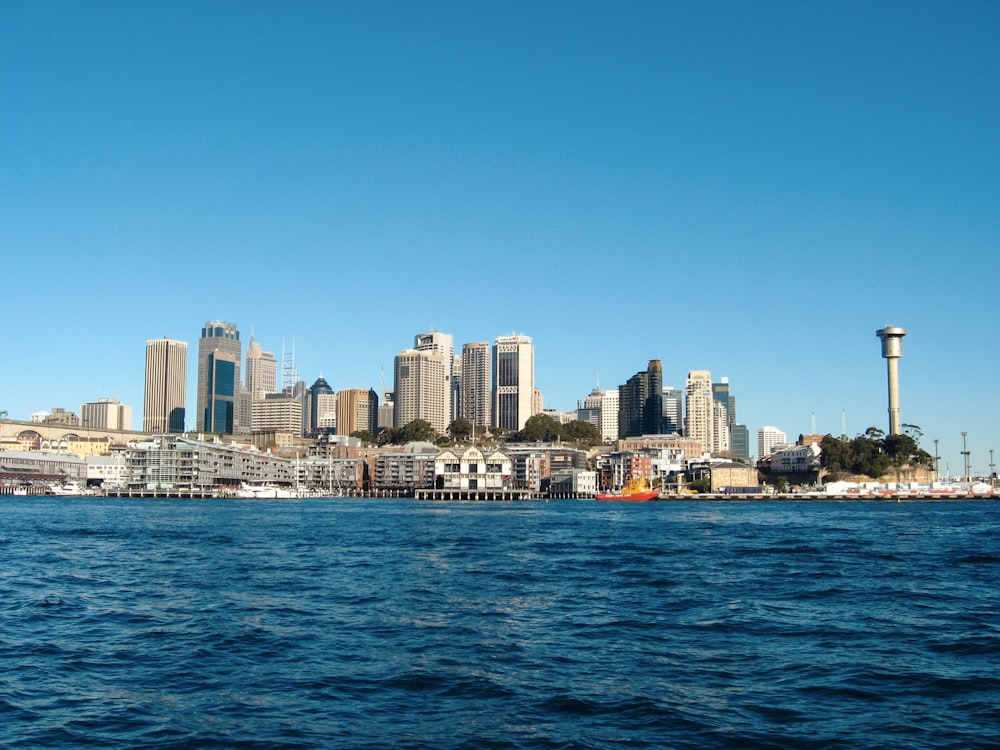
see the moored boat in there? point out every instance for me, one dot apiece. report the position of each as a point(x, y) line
point(636, 490)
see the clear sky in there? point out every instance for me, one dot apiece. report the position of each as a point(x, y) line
point(750, 188)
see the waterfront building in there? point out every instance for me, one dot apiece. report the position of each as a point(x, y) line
point(768, 438)
point(166, 386)
point(421, 388)
point(472, 469)
point(167, 462)
point(699, 409)
point(106, 414)
point(218, 377)
point(640, 402)
point(38, 469)
point(407, 469)
point(357, 410)
point(513, 388)
point(475, 384)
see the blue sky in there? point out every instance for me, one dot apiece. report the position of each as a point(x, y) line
point(747, 188)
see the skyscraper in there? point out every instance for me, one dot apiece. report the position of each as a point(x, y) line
point(222, 337)
point(444, 343)
point(475, 398)
point(166, 384)
point(221, 378)
point(699, 409)
point(357, 409)
point(421, 389)
point(322, 407)
point(260, 377)
point(513, 381)
point(640, 402)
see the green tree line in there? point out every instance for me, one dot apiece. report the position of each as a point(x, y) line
point(874, 453)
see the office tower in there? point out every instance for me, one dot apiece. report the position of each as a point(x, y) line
point(767, 439)
point(723, 417)
point(609, 414)
point(357, 410)
point(698, 408)
point(321, 403)
point(278, 412)
point(106, 414)
point(513, 381)
point(444, 343)
point(260, 377)
point(421, 388)
point(740, 442)
point(217, 336)
point(640, 402)
point(166, 385)
point(221, 378)
point(673, 410)
point(475, 383)
point(386, 410)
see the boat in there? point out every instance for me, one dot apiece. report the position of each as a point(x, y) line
point(636, 490)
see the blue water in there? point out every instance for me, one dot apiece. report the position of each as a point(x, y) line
point(571, 624)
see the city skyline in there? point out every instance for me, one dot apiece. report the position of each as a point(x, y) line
point(751, 191)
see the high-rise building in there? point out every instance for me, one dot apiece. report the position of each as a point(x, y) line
point(322, 407)
point(421, 389)
point(768, 438)
point(673, 410)
point(166, 386)
point(357, 409)
point(106, 414)
point(278, 412)
point(435, 341)
point(513, 381)
point(640, 402)
point(475, 383)
point(260, 377)
point(221, 379)
point(699, 409)
point(218, 336)
point(741, 442)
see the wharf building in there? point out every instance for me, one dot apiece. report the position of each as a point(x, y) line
point(514, 394)
point(173, 462)
point(219, 351)
point(166, 386)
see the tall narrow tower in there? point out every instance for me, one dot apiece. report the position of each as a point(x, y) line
point(892, 350)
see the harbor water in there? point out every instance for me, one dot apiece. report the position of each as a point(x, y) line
point(333, 623)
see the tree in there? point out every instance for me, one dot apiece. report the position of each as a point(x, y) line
point(540, 428)
point(460, 429)
point(364, 436)
point(582, 433)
